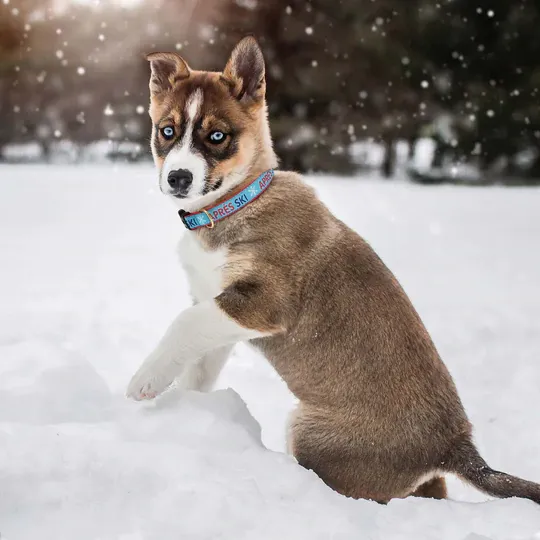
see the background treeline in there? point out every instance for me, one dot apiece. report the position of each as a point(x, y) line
point(340, 73)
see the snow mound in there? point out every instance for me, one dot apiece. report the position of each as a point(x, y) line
point(81, 462)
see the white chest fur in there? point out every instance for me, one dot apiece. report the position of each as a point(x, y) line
point(203, 268)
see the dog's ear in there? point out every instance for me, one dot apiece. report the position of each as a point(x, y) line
point(244, 72)
point(167, 69)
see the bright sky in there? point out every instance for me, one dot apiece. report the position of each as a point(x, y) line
point(122, 3)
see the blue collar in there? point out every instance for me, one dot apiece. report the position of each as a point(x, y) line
point(208, 218)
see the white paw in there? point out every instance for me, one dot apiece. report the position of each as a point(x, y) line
point(149, 381)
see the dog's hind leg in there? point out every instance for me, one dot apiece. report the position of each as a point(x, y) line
point(321, 441)
point(432, 489)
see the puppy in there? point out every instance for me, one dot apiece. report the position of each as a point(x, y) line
point(379, 415)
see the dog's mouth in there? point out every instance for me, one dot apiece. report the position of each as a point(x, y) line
point(178, 195)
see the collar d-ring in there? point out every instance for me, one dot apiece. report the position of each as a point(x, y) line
point(212, 223)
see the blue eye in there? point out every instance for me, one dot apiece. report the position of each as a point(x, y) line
point(167, 132)
point(216, 137)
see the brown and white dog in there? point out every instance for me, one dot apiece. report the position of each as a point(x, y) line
point(379, 416)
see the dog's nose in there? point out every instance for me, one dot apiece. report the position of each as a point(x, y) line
point(180, 180)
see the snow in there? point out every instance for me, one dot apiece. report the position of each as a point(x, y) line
point(88, 282)
point(22, 151)
point(367, 153)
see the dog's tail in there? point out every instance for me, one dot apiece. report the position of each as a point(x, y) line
point(467, 463)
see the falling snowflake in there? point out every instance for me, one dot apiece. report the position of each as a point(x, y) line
point(140, 109)
point(108, 111)
point(309, 30)
point(81, 70)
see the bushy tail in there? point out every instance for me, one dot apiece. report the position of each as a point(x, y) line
point(467, 463)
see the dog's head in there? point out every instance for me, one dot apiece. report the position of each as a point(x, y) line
point(210, 129)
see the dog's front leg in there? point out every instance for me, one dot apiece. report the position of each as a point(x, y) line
point(202, 374)
point(196, 332)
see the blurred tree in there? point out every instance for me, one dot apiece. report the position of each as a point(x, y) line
point(11, 35)
point(487, 54)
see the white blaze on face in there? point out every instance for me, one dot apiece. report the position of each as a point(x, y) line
point(183, 155)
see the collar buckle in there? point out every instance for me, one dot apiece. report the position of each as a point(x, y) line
point(183, 214)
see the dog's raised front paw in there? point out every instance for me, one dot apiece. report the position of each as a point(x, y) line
point(148, 383)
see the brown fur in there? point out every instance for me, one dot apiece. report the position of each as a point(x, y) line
point(432, 489)
point(378, 409)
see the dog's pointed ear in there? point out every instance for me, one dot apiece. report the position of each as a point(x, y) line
point(167, 69)
point(244, 72)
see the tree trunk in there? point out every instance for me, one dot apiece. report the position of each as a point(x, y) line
point(389, 163)
point(440, 151)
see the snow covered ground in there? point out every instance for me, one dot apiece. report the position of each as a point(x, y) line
point(88, 282)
